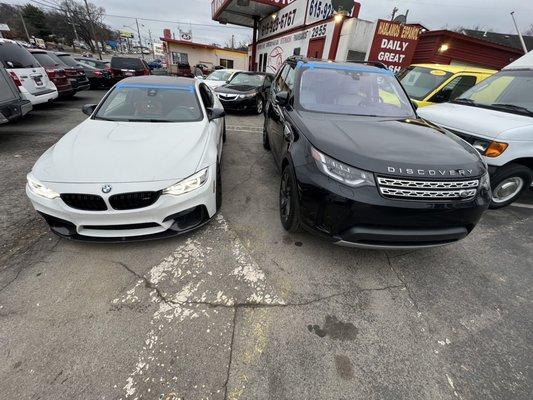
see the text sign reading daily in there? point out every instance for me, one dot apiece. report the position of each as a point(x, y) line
point(394, 44)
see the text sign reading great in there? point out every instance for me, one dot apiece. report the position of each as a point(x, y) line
point(394, 44)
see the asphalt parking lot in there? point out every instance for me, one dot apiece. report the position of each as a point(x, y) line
point(242, 310)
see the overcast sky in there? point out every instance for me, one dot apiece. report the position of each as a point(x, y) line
point(434, 14)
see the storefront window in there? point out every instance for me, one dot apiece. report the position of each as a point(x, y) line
point(226, 63)
point(179, 58)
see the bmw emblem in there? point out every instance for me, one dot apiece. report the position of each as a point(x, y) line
point(106, 188)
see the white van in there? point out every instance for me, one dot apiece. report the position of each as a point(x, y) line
point(496, 117)
point(30, 78)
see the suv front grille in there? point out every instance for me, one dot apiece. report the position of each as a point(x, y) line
point(418, 189)
point(130, 201)
point(87, 202)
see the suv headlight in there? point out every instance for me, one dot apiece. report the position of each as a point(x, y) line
point(189, 184)
point(39, 189)
point(341, 172)
point(484, 182)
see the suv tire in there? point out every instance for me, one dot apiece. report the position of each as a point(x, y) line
point(289, 207)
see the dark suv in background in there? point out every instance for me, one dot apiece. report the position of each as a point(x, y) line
point(125, 67)
point(12, 105)
point(360, 168)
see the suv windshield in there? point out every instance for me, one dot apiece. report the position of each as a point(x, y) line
point(509, 91)
point(254, 80)
point(126, 63)
point(353, 92)
point(13, 55)
point(418, 82)
point(45, 60)
point(143, 103)
point(67, 59)
point(219, 76)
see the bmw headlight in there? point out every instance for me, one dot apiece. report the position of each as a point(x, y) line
point(246, 96)
point(189, 184)
point(341, 172)
point(39, 189)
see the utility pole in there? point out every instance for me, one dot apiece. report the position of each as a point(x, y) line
point(519, 33)
point(93, 35)
point(25, 28)
point(69, 20)
point(140, 40)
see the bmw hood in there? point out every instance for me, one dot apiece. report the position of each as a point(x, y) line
point(119, 152)
point(410, 147)
point(479, 121)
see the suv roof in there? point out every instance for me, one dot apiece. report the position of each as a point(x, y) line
point(368, 65)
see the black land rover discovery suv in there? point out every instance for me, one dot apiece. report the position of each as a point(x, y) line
point(359, 167)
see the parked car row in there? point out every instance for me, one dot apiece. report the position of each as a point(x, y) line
point(41, 76)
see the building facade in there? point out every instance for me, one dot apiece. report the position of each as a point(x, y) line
point(185, 52)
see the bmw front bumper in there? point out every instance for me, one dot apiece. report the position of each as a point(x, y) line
point(362, 217)
point(168, 216)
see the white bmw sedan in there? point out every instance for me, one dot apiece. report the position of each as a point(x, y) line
point(146, 163)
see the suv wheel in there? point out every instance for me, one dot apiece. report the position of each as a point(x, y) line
point(289, 209)
point(508, 183)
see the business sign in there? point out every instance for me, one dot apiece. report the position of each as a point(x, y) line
point(319, 10)
point(186, 36)
point(287, 18)
point(277, 50)
point(394, 44)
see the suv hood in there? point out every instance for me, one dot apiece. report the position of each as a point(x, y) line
point(477, 121)
point(119, 152)
point(410, 147)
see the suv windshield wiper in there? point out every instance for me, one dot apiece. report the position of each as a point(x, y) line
point(464, 100)
point(513, 107)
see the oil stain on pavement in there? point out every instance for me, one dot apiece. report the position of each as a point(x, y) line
point(335, 329)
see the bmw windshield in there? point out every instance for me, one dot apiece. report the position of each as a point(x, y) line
point(508, 91)
point(357, 91)
point(143, 103)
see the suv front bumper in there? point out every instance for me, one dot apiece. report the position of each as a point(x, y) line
point(362, 217)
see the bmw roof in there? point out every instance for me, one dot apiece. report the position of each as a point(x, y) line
point(158, 81)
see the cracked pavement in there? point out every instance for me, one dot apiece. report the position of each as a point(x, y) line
point(242, 310)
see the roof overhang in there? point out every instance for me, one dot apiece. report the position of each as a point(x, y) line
point(243, 12)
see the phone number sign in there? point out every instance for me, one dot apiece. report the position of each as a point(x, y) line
point(319, 10)
point(287, 18)
point(394, 44)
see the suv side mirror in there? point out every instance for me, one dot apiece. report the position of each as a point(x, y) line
point(88, 109)
point(282, 98)
point(215, 113)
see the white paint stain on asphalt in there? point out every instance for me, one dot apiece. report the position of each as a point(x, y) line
point(188, 271)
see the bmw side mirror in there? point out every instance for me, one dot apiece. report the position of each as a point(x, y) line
point(215, 113)
point(282, 98)
point(88, 109)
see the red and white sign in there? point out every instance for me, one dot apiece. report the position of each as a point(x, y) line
point(318, 10)
point(394, 44)
point(285, 19)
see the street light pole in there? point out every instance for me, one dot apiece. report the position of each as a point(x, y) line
point(140, 40)
point(519, 33)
